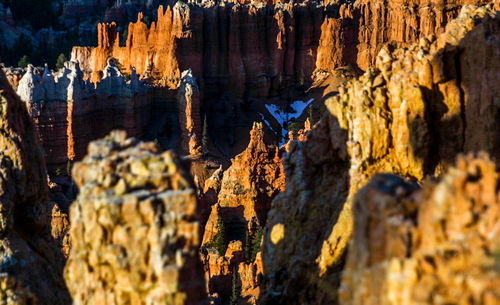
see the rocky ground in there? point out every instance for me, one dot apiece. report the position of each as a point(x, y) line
point(341, 152)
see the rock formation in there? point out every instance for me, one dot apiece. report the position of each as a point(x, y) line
point(436, 245)
point(188, 99)
point(353, 35)
point(410, 115)
point(31, 262)
point(134, 231)
point(213, 40)
point(61, 107)
point(247, 189)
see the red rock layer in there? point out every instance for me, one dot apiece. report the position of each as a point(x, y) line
point(64, 129)
point(248, 49)
point(255, 177)
point(355, 34)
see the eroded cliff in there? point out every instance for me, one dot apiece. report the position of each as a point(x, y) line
point(233, 231)
point(411, 116)
point(31, 261)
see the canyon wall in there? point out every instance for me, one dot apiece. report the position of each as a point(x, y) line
point(134, 229)
point(257, 50)
point(353, 35)
point(68, 113)
point(31, 261)
point(248, 49)
point(411, 115)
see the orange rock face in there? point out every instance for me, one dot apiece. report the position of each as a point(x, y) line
point(255, 177)
point(355, 36)
point(135, 236)
point(31, 261)
point(214, 42)
point(411, 115)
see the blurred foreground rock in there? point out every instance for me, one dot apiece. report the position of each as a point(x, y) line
point(134, 233)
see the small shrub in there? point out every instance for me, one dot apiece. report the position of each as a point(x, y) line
point(24, 61)
point(60, 61)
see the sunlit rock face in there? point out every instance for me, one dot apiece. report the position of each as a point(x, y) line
point(411, 115)
point(438, 244)
point(214, 41)
point(353, 35)
point(134, 228)
point(31, 261)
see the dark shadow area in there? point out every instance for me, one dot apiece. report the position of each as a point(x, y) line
point(320, 172)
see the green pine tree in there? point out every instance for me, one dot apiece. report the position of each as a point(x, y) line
point(68, 168)
point(256, 242)
point(235, 293)
point(60, 61)
point(24, 61)
point(311, 117)
point(248, 247)
point(218, 241)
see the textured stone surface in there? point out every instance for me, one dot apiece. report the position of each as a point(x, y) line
point(255, 177)
point(134, 231)
point(411, 116)
point(247, 188)
point(31, 262)
point(61, 107)
point(213, 40)
point(433, 246)
point(353, 35)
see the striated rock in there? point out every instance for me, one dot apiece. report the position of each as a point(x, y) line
point(302, 217)
point(62, 105)
point(134, 230)
point(410, 116)
point(31, 261)
point(188, 99)
point(353, 35)
point(441, 240)
point(212, 39)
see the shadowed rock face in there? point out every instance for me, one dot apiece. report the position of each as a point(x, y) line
point(31, 262)
point(134, 232)
point(68, 112)
point(411, 116)
point(439, 244)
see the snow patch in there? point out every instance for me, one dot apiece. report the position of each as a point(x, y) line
point(284, 118)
